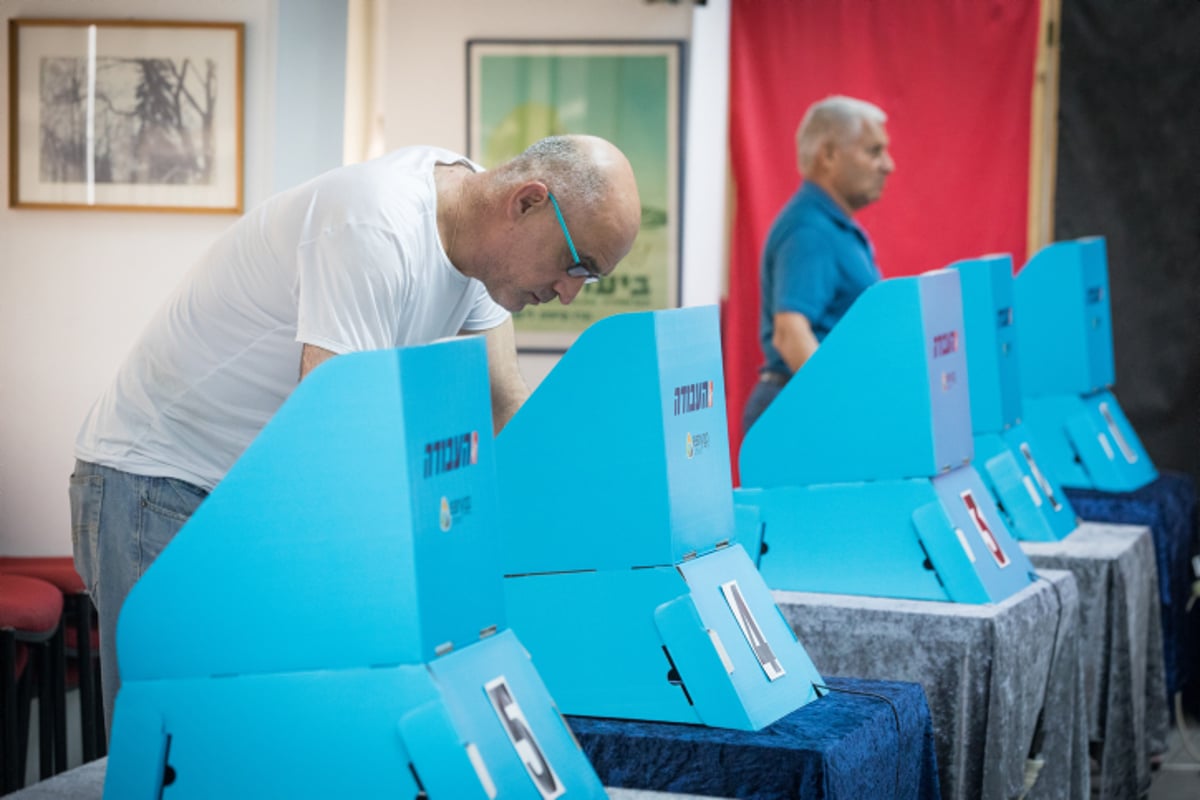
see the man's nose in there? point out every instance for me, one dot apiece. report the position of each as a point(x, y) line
point(889, 164)
point(567, 289)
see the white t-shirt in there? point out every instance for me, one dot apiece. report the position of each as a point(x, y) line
point(349, 261)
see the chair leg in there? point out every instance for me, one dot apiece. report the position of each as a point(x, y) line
point(82, 612)
point(8, 662)
point(45, 695)
point(101, 723)
point(25, 690)
point(58, 691)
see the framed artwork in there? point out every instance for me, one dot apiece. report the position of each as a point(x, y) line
point(125, 115)
point(628, 92)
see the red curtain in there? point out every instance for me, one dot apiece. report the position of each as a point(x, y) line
point(955, 78)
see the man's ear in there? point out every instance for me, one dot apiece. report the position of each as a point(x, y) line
point(828, 151)
point(528, 197)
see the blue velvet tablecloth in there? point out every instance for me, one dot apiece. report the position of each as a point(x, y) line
point(1167, 506)
point(841, 746)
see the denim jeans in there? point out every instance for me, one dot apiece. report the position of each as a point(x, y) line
point(119, 524)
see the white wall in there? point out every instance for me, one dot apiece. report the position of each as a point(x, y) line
point(310, 89)
point(705, 211)
point(76, 287)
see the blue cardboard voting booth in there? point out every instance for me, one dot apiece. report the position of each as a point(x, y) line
point(1032, 504)
point(330, 622)
point(622, 574)
point(1065, 334)
point(858, 479)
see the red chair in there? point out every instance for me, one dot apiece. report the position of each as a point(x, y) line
point(81, 646)
point(30, 625)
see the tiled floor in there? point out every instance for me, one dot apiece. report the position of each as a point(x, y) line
point(1179, 776)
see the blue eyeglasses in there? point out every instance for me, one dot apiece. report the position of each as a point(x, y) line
point(578, 269)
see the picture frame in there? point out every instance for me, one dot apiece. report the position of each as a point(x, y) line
point(628, 92)
point(126, 115)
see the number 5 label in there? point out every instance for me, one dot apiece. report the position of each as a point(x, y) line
point(523, 740)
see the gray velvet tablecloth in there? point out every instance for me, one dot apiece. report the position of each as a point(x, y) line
point(987, 670)
point(1121, 642)
point(82, 783)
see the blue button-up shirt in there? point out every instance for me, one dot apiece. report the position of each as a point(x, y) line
point(817, 262)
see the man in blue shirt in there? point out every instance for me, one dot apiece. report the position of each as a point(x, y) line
point(817, 260)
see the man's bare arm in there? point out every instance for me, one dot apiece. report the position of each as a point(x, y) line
point(794, 339)
point(311, 357)
point(508, 387)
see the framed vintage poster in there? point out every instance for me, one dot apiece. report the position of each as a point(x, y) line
point(627, 92)
point(125, 115)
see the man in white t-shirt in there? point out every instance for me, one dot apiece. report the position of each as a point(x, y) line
point(405, 249)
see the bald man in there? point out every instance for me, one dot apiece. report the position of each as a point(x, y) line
point(817, 259)
point(405, 249)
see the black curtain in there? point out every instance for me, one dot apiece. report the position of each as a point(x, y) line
point(1129, 169)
